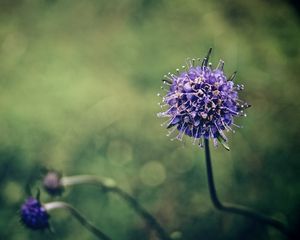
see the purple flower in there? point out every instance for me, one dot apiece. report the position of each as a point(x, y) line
point(34, 215)
point(202, 102)
point(52, 183)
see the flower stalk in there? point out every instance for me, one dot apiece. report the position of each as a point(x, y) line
point(233, 208)
point(75, 213)
point(109, 185)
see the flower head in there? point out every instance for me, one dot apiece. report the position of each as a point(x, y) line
point(52, 183)
point(202, 102)
point(34, 215)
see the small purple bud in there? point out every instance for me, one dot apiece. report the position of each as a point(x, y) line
point(52, 183)
point(34, 215)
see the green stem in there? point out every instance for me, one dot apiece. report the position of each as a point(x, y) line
point(84, 222)
point(110, 186)
point(233, 208)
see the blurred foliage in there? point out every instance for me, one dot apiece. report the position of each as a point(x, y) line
point(78, 84)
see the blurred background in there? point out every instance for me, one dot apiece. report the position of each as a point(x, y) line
point(78, 85)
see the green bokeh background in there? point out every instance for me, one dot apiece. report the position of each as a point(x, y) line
point(78, 84)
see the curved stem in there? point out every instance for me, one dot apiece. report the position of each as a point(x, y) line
point(84, 222)
point(109, 185)
point(233, 208)
point(152, 222)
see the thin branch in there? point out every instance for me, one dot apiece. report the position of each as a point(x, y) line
point(84, 222)
point(237, 209)
point(108, 185)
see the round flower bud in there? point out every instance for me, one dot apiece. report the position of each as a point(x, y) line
point(34, 215)
point(52, 183)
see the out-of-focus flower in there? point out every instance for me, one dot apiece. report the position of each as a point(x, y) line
point(52, 183)
point(201, 102)
point(34, 215)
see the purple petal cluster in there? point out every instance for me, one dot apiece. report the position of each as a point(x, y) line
point(34, 215)
point(201, 102)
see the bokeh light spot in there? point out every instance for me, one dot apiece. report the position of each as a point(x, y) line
point(153, 173)
point(12, 192)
